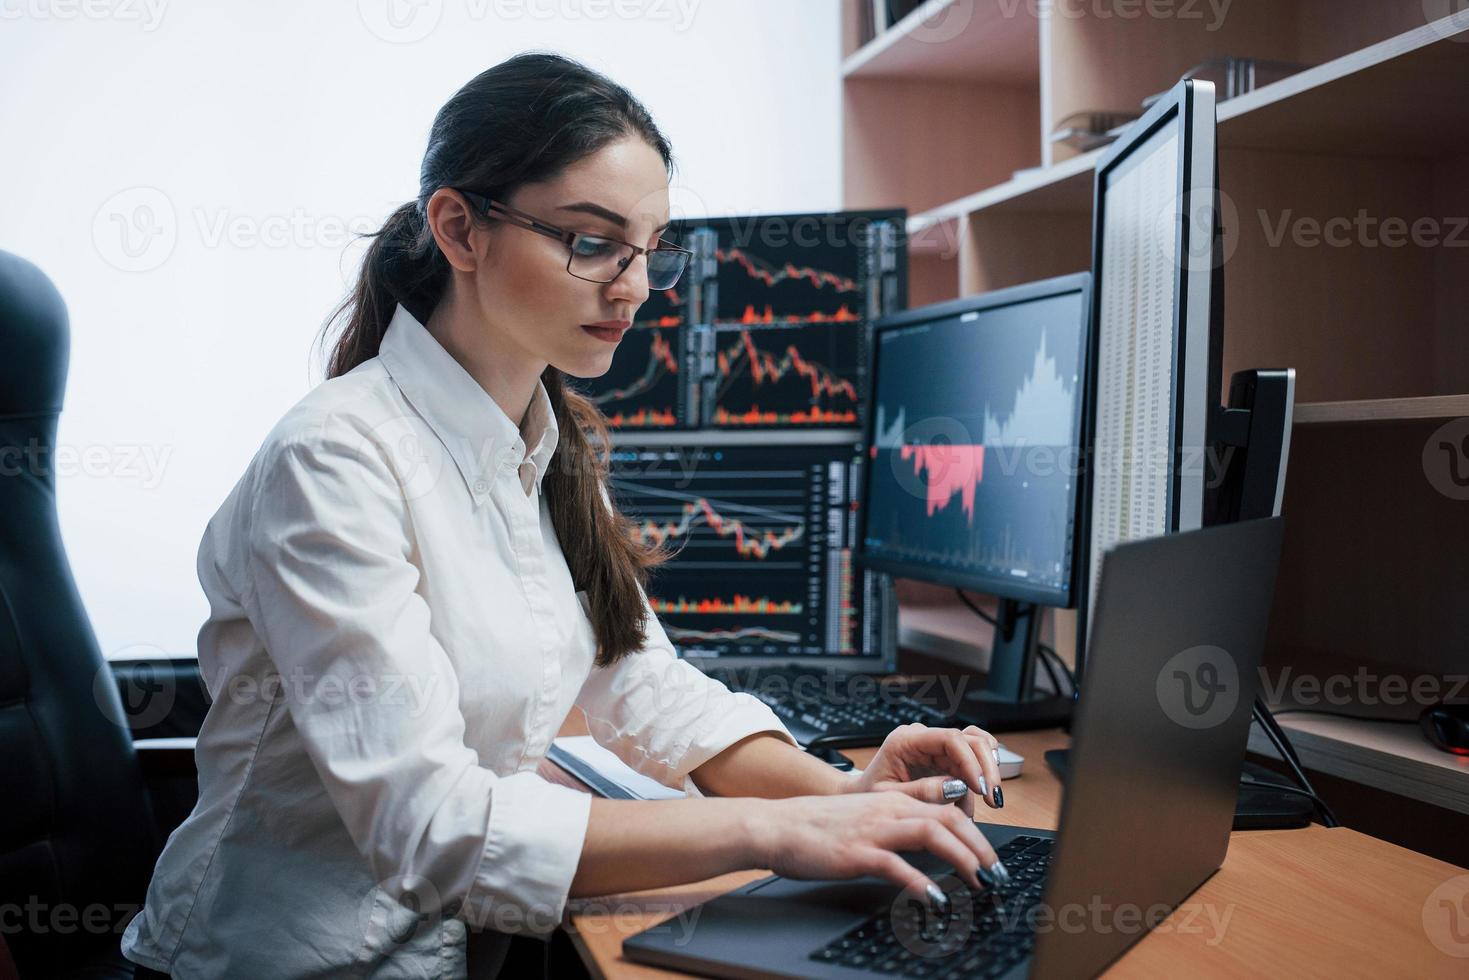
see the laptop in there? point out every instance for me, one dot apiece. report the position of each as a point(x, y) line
point(1159, 741)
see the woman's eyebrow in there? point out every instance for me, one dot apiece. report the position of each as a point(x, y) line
point(587, 207)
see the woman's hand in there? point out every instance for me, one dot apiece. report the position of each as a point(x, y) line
point(925, 762)
point(850, 836)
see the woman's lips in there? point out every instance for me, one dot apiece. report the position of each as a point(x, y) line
point(610, 331)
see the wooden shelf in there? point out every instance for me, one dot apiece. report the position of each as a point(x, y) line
point(1065, 187)
point(1372, 102)
point(983, 40)
point(1354, 104)
point(1382, 410)
point(1389, 756)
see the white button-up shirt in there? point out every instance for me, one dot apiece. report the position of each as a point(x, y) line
point(394, 639)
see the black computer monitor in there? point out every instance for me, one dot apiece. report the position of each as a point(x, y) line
point(1167, 456)
point(973, 456)
point(761, 533)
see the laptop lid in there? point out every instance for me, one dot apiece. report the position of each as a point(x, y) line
point(1160, 735)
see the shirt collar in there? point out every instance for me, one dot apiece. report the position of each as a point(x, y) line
point(477, 433)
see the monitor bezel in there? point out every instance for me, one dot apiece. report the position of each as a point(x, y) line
point(1003, 587)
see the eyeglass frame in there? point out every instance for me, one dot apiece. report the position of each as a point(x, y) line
point(568, 238)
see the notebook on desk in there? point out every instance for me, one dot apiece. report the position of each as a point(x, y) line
point(603, 772)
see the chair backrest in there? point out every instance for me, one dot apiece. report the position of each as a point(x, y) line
point(76, 833)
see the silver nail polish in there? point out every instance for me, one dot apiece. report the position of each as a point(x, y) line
point(954, 789)
point(937, 898)
point(1001, 873)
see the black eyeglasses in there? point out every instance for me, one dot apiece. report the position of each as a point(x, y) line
point(593, 257)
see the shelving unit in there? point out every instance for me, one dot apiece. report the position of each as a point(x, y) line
point(1346, 207)
point(1385, 755)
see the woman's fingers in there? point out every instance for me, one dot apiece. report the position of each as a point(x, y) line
point(986, 747)
point(886, 864)
point(947, 834)
point(935, 789)
point(964, 754)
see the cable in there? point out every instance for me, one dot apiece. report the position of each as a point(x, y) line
point(1262, 784)
point(1048, 651)
point(1288, 755)
point(1045, 651)
point(1051, 673)
point(975, 609)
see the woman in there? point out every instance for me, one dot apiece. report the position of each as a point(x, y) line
point(421, 573)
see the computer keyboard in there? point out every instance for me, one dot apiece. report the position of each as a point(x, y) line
point(837, 708)
point(983, 934)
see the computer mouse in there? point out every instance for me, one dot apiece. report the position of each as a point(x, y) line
point(1446, 726)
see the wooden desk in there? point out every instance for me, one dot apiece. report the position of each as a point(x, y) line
point(1309, 902)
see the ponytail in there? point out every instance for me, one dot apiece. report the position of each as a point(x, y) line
point(402, 265)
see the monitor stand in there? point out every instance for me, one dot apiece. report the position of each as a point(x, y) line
point(1009, 702)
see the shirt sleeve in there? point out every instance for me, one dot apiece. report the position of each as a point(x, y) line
point(663, 716)
point(333, 594)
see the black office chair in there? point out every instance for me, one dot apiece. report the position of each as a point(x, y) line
point(79, 835)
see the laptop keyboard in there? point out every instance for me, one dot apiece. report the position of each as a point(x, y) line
point(983, 934)
point(822, 704)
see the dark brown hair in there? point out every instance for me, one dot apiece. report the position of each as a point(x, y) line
point(523, 121)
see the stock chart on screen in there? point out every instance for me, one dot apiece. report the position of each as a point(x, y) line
point(762, 539)
point(766, 330)
point(973, 454)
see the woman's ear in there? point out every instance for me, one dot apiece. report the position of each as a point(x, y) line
point(453, 225)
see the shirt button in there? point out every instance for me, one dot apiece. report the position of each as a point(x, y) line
point(480, 486)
